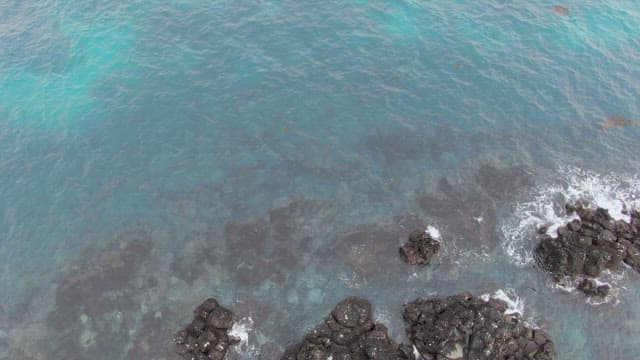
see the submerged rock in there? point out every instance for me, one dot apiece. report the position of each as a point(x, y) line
point(349, 333)
point(591, 244)
point(366, 249)
point(420, 248)
point(207, 336)
point(467, 327)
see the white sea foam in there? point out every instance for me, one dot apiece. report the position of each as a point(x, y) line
point(515, 305)
point(608, 277)
point(352, 279)
point(433, 232)
point(416, 353)
point(242, 330)
point(383, 317)
point(546, 206)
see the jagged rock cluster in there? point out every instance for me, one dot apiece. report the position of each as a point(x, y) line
point(591, 288)
point(349, 333)
point(467, 327)
point(420, 248)
point(589, 245)
point(207, 337)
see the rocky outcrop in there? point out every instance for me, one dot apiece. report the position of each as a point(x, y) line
point(467, 327)
point(420, 248)
point(349, 333)
point(207, 336)
point(591, 288)
point(591, 244)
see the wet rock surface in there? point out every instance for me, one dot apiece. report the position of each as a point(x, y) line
point(591, 288)
point(591, 244)
point(207, 336)
point(366, 248)
point(467, 327)
point(349, 333)
point(420, 248)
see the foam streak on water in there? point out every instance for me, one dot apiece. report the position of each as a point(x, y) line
point(434, 232)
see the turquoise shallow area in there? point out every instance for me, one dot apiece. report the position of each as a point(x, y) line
point(274, 153)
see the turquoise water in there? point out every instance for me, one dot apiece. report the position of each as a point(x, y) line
point(267, 153)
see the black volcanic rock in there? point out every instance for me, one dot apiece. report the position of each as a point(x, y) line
point(207, 336)
point(349, 333)
point(420, 248)
point(591, 288)
point(591, 244)
point(467, 327)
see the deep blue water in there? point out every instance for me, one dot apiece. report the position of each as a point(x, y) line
point(268, 153)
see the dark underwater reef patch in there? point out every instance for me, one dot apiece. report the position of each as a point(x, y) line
point(394, 146)
point(561, 10)
point(503, 183)
point(589, 245)
point(618, 121)
point(267, 248)
point(367, 249)
point(93, 310)
point(371, 250)
point(98, 286)
point(469, 208)
point(467, 211)
point(254, 250)
point(152, 335)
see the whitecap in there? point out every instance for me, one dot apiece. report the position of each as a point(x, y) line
point(241, 330)
point(515, 305)
point(433, 232)
point(416, 353)
point(545, 207)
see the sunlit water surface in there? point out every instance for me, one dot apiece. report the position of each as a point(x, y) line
point(274, 154)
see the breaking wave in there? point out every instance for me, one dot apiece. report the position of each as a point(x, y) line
point(545, 207)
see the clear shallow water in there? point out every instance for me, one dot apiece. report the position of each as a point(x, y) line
point(268, 153)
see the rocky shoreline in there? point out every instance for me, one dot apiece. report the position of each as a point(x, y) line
point(456, 327)
point(207, 336)
point(349, 332)
point(468, 327)
point(447, 328)
point(590, 244)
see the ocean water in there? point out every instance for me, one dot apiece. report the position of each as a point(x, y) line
point(275, 153)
